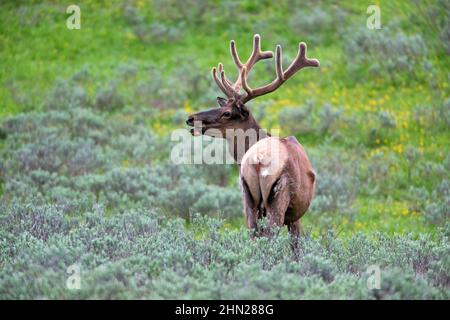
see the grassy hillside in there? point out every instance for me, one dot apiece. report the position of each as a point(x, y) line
point(85, 171)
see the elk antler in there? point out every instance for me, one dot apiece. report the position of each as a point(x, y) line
point(299, 62)
point(232, 90)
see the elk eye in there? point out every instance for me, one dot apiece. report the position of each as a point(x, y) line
point(226, 114)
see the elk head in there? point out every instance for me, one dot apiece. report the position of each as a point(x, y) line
point(232, 112)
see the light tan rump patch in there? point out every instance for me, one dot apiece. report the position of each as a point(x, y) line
point(262, 164)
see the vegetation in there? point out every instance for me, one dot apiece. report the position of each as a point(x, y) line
point(86, 177)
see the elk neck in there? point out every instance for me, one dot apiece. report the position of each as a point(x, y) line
point(238, 146)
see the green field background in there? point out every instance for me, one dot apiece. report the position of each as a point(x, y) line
point(85, 123)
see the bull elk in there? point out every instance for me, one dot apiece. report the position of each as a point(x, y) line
point(276, 176)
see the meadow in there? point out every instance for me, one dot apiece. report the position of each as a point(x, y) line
point(86, 177)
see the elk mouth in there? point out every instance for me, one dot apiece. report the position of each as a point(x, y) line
point(196, 131)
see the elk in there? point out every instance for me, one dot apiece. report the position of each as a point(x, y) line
point(277, 179)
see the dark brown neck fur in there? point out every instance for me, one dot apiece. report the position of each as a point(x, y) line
point(249, 124)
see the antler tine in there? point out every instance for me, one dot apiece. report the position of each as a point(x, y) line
point(226, 79)
point(299, 62)
point(234, 55)
point(244, 82)
point(227, 85)
point(219, 83)
point(255, 56)
point(278, 63)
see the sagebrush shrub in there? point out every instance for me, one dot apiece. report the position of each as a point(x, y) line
point(335, 183)
point(388, 50)
point(142, 254)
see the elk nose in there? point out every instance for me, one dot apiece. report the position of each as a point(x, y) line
point(190, 121)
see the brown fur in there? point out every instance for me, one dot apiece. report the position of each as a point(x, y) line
point(279, 186)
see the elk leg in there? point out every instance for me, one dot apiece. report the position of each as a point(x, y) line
point(276, 213)
point(295, 229)
point(251, 215)
point(277, 203)
point(250, 209)
point(276, 219)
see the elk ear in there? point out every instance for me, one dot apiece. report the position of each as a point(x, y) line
point(221, 101)
point(243, 111)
